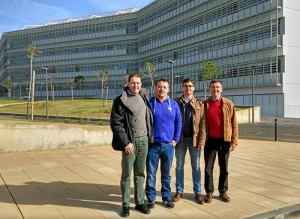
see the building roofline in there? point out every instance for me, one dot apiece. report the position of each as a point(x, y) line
point(88, 17)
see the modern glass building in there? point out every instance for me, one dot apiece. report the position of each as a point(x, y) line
point(254, 42)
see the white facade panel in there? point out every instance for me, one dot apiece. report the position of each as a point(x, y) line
point(291, 50)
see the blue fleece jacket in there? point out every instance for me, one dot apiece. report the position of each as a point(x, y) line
point(167, 121)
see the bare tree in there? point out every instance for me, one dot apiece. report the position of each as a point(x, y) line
point(52, 79)
point(151, 70)
point(103, 76)
point(70, 84)
point(31, 53)
point(9, 86)
point(125, 79)
point(209, 72)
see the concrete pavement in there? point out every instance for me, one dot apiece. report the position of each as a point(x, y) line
point(83, 182)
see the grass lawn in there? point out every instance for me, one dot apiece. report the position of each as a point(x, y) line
point(81, 108)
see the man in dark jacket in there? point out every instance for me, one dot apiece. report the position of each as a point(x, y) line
point(192, 138)
point(131, 123)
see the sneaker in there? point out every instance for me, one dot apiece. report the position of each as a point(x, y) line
point(150, 204)
point(177, 197)
point(168, 204)
point(125, 212)
point(143, 209)
point(208, 198)
point(224, 197)
point(199, 199)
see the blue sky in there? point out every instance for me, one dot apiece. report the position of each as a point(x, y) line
point(15, 14)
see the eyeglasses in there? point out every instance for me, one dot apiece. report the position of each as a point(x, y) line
point(188, 85)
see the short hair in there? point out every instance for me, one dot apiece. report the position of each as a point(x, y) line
point(186, 80)
point(134, 74)
point(216, 81)
point(162, 80)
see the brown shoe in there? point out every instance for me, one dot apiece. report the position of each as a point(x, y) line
point(208, 198)
point(177, 197)
point(224, 197)
point(199, 199)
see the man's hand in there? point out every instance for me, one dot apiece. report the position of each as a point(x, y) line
point(129, 148)
point(173, 143)
point(201, 148)
point(232, 147)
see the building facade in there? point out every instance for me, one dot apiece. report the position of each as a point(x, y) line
point(254, 42)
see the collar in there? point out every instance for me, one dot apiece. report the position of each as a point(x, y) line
point(211, 98)
point(189, 100)
point(129, 92)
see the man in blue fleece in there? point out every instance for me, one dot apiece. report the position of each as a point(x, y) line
point(167, 123)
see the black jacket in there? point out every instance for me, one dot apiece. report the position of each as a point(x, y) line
point(121, 121)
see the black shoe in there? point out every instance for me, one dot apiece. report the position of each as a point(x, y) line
point(125, 212)
point(168, 204)
point(151, 204)
point(143, 209)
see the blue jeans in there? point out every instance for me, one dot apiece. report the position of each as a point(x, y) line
point(180, 153)
point(164, 152)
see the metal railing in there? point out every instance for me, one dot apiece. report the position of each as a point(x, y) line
point(285, 130)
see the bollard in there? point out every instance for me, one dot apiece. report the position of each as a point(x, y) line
point(275, 129)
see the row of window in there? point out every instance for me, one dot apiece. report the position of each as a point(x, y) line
point(238, 71)
point(194, 26)
point(23, 40)
point(214, 44)
point(130, 48)
point(64, 70)
point(231, 71)
point(228, 9)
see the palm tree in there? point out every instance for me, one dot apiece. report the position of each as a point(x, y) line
point(31, 53)
point(209, 72)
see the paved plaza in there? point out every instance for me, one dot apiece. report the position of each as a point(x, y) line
point(264, 181)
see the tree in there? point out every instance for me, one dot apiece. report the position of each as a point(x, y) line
point(125, 80)
point(209, 72)
point(70, 84)
point(79, 80)
point(8, 85)
point(151, 69)
point(103, 76)
point(31, 53)
point(52, 79)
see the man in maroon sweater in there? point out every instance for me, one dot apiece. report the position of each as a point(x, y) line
point(222, 138)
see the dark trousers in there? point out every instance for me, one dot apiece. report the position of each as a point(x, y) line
point(211, 149)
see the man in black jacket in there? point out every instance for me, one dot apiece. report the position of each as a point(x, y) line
point(131, 123)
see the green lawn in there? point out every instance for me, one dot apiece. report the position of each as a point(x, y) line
point(81, 108)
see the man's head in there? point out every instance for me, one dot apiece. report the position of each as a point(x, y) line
point(135, 83)
point(162, 89)
point(188, 87)
point(215, 88)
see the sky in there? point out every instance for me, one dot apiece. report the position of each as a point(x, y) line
point(15, 14)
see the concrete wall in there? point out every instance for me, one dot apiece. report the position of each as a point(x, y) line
point(245, 116)
point(29, 136)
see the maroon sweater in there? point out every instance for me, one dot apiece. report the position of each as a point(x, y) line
point(214, 115)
